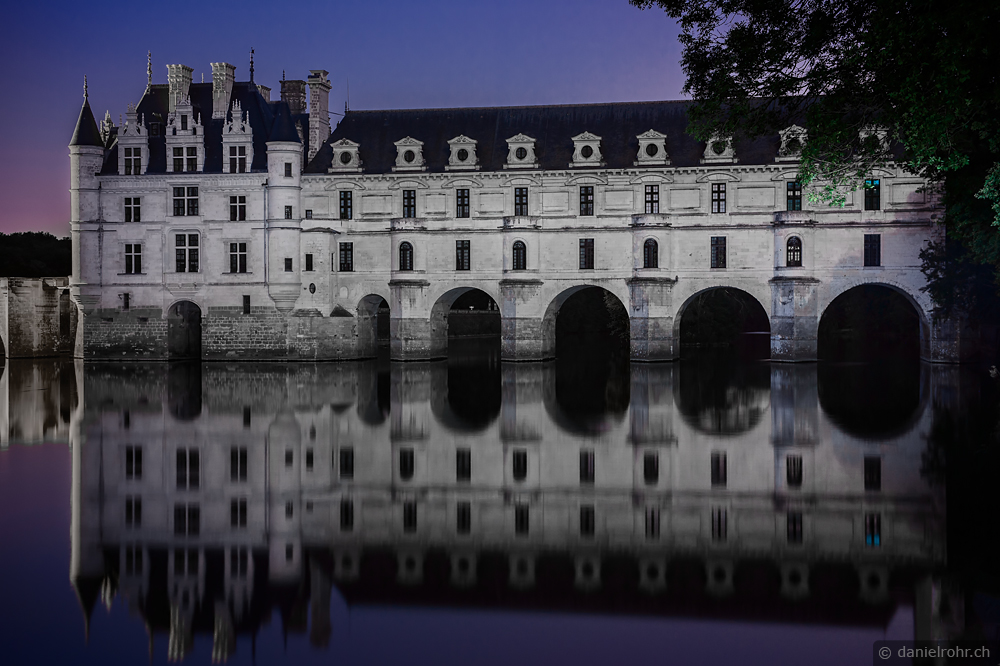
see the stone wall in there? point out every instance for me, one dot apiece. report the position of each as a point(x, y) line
point(138, 333)
point(37, 317)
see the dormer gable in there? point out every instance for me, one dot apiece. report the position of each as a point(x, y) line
point(409, 155)
point(133, 145)
point(462, 155)
point(346, 157)
point(719, 150)
point(586, 151)
point(185, 139)
point(237, 141)
point(521, 152)
point(793, 139)
point(652, 149)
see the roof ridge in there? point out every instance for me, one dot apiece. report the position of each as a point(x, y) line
point(523, 106)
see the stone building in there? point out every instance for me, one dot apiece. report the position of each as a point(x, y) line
point(218, 224)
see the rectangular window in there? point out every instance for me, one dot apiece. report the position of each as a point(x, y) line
point(192, 159)
point(188, 469)
point(718, 251)
point(586, 253)
point(246, 304)
point(238, 464)
point(650, 468)
point(310, 458)
point(652, 199)
point(288, 212)
point(587, 466)
point(718, 197)
point(133, 512)
point(247, 412)
point(406, 464)
point(187, 520)
point(519, 461)
point(133, 560)
point(186, 246)
point(462, 203)
point(346, 257)
point(347, 463)
point(873, 249)
point(652, 522)
point(346, 205)
point(133, 162)
point(719, 472)
point(793, 200)
point(239, 562)
point(289, 458)
point(587, 520)
point(463, 255)
point(289, 510)
point(184, 122)
point(178, 160)
point(133, 463)
point(309, 213)
point(409, 203)
point(288, 169)
point(126, 301)
point(793, 471)
point(133, 258)
point(873, 194)
point(873, 473)
point(520, 201)
point(719, 527)
point(521, 524)
point(587, 200)
point(238, 512)
point(133, 209)
point(873, 529)
point(309, 262)
point(463, 518)
point(346, 515)
point(410, 517)
point(288, 264)
point(185, 201)
point(237, 257)
point(237, 159)
point(463, 465)
point(237, 208)
point(794, 527)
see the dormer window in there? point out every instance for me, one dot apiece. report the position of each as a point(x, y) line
point(719, 151)
point(463, 154)
point(346, 158)
point(652, 149)
point(521, 152)
point(793, 139)
point(586, 151)
point(184, 123)
point(133, 145)
point(409, 155)
point(237, 142)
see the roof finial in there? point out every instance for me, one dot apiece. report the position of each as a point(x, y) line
point(282, 75)
point(251, 65)
point(85, 87)
point(149, 69)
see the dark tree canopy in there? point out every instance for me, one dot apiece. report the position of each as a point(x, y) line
point(35, 254)
point(914, 82)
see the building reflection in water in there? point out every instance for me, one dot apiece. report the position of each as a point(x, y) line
point(209, 495)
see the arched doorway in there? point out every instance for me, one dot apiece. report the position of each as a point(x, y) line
point(373, 325)
point(589, 329)
point(724, 318)
point(184, 331)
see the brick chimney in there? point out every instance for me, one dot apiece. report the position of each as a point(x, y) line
point(179, 82)
point(294, 92)
point(319, 110)
point(223, 76)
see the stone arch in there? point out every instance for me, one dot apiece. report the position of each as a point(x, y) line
point(366, 331)
point(184, 330)
point(923, 309)
point(442, 308)
point(679, 316)
point(556, 303)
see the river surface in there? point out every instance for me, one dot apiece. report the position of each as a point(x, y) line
point(708, 511)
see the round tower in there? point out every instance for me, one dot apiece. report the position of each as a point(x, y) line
point(284, 210)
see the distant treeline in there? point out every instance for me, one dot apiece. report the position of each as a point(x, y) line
point(35, 254)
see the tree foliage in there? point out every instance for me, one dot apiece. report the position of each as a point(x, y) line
point(35, 254)
point(913, 82)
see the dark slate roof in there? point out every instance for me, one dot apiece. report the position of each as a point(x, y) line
point(552, 127)
point(261, 114)
point(283, 128)
point(86, 132)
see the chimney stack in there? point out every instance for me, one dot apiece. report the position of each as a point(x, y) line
point(294, 92)
point(179, 82)
point(223, 76)
point(319, 110)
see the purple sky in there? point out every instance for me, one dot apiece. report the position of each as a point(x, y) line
point(397, 53)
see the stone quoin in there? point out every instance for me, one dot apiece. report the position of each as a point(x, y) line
point(218, 224)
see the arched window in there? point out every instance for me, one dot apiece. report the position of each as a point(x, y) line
point(405, 256)
point(520, 256)
point(793, 252)
point(650, 254)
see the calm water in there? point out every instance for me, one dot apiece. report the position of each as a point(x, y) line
point(710, 511)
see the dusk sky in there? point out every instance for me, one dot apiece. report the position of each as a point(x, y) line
point(397, 54)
